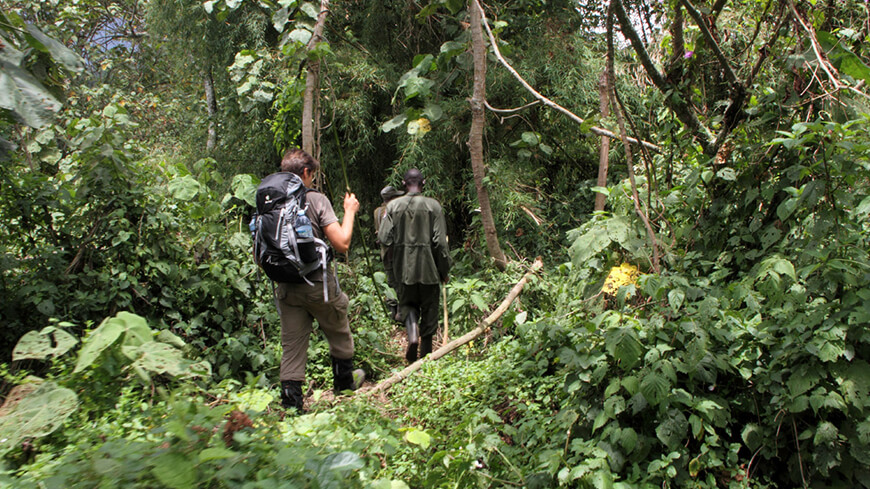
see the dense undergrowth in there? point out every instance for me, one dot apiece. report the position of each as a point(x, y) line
point(147, 342)
point(743, 364)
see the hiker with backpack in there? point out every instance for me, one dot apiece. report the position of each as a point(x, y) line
point(291, 230)
point(415, 233)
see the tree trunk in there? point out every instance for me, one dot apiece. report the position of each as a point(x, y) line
point(603, 157)
point(617, 109)
point(311, 98)
point(475, 137)
point(211, 107)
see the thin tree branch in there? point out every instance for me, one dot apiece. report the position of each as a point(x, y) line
point(675, 100)
point(510, 111)
point(549, 103)
point(708, 36)
point(617, 109)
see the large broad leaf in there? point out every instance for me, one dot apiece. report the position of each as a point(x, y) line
point(673, 430)
point(393, 123)
point(654, 387)
point(97, 341)
point(624, 345)
point(184, 188)
point(134, 329)
point(588, 245)
point(58, 52)
point(158, 358)
point(50, 341)
point(245, 188)
point(23, 95)
point(35, 415)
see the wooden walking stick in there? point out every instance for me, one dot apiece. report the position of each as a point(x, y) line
point(446, 337)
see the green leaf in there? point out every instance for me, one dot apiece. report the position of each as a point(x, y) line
point(478, 301)
point(863, 208)
point(184, 188)
point(97, 341)
point(244, 187)
point(624, 346)
point(752, 436)
point(38, 345)
point(418, 437)
point(727, 174)
point(310, 10)
point(531, 138)
point(300, 35)
point(393, 123)
point(174, 470)
point(37, 414)
point(454, 5)
point(342, 461)
point(215, 453)
point(433, 111)
point(58, 52)
point(786, 208)
point(136, 329)
point(676, 298)
point(628, 439)
point(673, 430)
point(279, 19)
point(23, 95)
point(654, 387)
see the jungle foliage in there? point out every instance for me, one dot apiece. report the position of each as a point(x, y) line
point(140, 343)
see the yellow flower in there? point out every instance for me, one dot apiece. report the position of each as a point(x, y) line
point(419, 126)
point(624, 274)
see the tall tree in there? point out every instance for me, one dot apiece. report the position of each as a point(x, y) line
point(311, 98)
point(475, 138)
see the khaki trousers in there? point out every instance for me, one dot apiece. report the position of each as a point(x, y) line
point(298, 306)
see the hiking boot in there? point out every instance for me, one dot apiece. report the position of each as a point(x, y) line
point(426, 345)
point(344, 377)
point(413, 330)
point(291, 395)
point(393, 307)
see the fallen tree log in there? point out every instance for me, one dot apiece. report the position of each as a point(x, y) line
point(394, 379)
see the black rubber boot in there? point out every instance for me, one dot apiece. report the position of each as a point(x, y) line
point(426, 345)
point(393, 307)
point(413, 329)
point(344, 377)
point(291, 395)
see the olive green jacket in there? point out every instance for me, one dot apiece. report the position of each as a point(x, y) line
point(415, 234)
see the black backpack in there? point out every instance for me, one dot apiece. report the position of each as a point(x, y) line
point(283, 254)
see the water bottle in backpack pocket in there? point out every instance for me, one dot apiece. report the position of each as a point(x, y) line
point(305, 237)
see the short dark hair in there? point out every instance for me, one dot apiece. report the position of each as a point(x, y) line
point(296, 161)
point(413, 177)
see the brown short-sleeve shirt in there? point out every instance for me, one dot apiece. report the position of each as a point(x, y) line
point(320, 212)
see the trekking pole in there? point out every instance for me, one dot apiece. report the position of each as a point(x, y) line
point(362, 239)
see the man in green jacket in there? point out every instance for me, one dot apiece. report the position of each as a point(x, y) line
point(414, 231)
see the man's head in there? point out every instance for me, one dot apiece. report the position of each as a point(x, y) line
point(413, 179)
point(297, 161)
point(389, 193)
